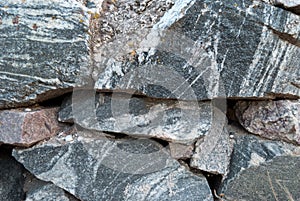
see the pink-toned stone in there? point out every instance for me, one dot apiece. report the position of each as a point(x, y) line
point(275, 120)
point(26, 127)
point(181, 151)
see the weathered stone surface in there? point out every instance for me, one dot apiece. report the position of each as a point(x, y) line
point(262, 169)
point(182, 122)
point(37, 190)
point(206, 49)
point(125, 17)
point(43, 46)
point(48, 192)
point(181, 151)
point(291, 5)
point(288, 3)
point(11, 179)
point(25, 127)
point(94, 168)
point(278, 120)
point(212, 153)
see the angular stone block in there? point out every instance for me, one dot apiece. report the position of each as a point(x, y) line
point(276, 120)
point(175, 121)
point(261, 169)
point(43, 46)
point(181, 151)
point(200, 50)
point(24, 128)
point(95, 168)
point(213, 153)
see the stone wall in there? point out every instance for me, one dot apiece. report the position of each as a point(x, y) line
point(149, 100)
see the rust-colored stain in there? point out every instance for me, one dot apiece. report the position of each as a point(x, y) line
point(133, 53)
point(34, 26)
point(15, 20)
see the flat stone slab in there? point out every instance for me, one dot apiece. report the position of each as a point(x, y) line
point(203, 50)
point(175, 121)
point(24, 127)
point(43, 46)
point(261, 169)
point(124, 169)
point(276, 120)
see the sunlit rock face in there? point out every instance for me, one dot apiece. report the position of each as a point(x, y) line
point(43, 46)
point(124, 169)
point(207, 49)
point(171, 100)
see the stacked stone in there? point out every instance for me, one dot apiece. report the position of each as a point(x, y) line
point(149, 100)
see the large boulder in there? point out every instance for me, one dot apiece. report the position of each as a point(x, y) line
point(97, 168)
point(202, 50)
point(261, 169)
point(43, 46)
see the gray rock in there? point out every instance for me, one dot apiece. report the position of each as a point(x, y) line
point(291, 5)
point(181, 151)
point(261, 169)
point(25, 127)
point(43, 46)
point(37, 190)
point(11, 178)
point(95, 168)
point(277, 120)
point(48, 192)
point(213, 153)
point(205, 49)
point(175, 121)
point(114, 21)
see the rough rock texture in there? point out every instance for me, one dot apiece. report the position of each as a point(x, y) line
point(48, 192)
point(290, 5)
point(181, 151)
point(11, 178)
point(25, 127)
point(261, 169)
point(277, 120)
point(182, 122)
point(205, 49)
point(213, 153)
point(93, 168)
point(153, 81)
point(43, 46)
point(37, 190)
point(125, 17)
